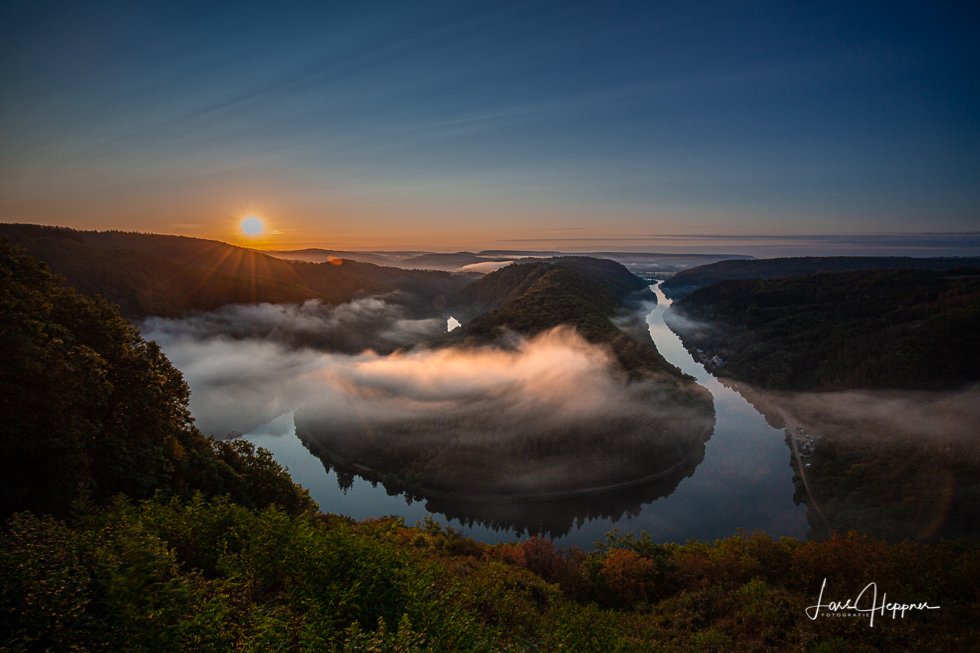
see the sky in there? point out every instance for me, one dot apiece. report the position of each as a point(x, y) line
point(647, 126)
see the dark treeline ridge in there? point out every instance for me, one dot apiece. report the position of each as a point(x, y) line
point(132, 532)
point(910, 329)
point(687, 281)
point(168, 276)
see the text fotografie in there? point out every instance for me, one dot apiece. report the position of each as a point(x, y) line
point(897, 609)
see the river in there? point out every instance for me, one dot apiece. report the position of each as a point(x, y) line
point(744, 481)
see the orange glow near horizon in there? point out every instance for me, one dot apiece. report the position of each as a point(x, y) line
point(347, 227)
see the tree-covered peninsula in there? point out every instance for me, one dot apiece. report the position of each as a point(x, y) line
point(522, 445)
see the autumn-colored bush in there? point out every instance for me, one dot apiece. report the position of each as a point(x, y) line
point(847, 561)
point(541, 556)
point(628, 576)
point(511, 554)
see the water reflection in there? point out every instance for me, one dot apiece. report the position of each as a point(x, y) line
point(558, 518)
point(741, 479)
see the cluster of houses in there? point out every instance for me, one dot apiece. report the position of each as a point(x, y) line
point(806, 444)
point(806, 448)
point(714, 360)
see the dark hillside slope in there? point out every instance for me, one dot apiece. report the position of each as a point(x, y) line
point(147, 274)
point(529, 298)
point(610, 274)
point(510, 282)
point(865, 329)
point(90, 409)
point(687, 281)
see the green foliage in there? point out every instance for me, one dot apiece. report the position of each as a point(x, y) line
point(878, 328)
point(169, 575)
point(114, 587)
point(206, 575)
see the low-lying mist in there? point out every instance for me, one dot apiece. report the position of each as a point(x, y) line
point(684, 325)
point(892, 464)
point(553, 413)
point(930, 417)
point(377, 323)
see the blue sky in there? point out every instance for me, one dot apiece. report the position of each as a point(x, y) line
point(452, 125)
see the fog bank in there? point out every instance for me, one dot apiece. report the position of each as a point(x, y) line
point(379, 323)
point(238, 383)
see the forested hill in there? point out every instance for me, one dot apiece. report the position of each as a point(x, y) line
point(863, 329)
point(90, 409)
point(687, 281)
point(512, 281)
point(529, 298)
point(147, 274)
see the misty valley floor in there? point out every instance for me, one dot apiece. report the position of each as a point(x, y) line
point(745, 481)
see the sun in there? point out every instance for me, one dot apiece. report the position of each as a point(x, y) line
point(252, 226)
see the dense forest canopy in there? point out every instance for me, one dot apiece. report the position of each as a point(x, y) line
point(890, 464)
point(510, 282)
point(529, 298)
point(687, 281)
point(90, 409)
point(912, 329)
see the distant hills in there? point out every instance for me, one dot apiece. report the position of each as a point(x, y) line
point(318, 255)
point(149, 274)
point(657, 265)
point(912, 329)
point(687, 281)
